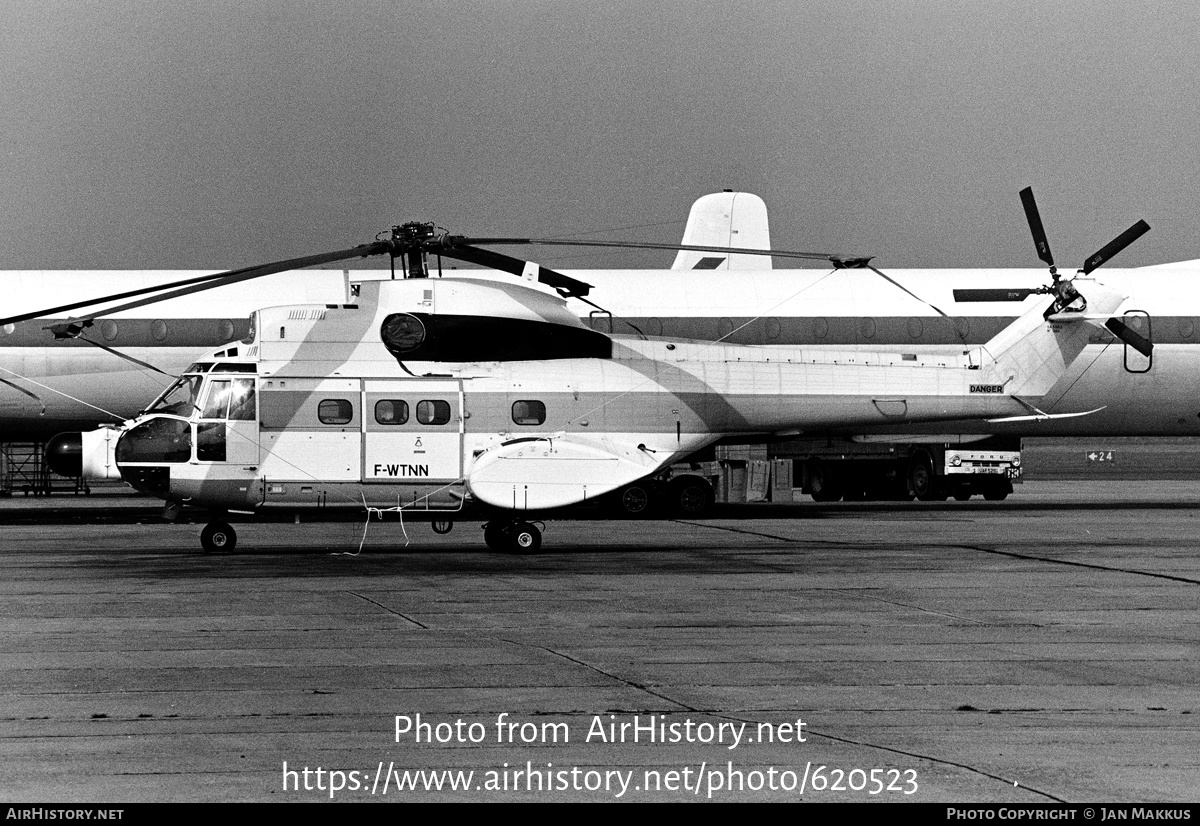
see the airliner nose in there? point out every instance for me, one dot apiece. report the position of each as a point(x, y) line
point(64, 454)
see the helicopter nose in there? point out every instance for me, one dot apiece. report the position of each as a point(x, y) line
point(64, 454)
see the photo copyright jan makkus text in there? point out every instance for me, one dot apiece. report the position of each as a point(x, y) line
point(600, 728)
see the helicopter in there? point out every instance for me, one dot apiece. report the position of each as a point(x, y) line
point(446, 395)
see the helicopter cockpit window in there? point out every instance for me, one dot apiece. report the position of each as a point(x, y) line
point(433, 412)
point(216, 403)
point(156, 440)
point(391, 411)
point(241, 400)
point(335, 411)
point(529, 412)
point(180, 398)
point(231, 399)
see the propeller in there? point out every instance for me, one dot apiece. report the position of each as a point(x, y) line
point(1135, 340)
point(1001, 294)
point(1062, 289)
point(1095, 259)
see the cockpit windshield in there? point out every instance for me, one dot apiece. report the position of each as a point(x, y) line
point(180, 398)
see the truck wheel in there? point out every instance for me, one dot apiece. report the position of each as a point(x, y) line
point(691, 496)
point(997, 491)
point(823, 486)
point(926, 486)
point(634, 500)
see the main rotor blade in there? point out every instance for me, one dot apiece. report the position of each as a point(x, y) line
point(837, 260)
point(245, 274)
point(896, 283)
point(1035, 226)
point(125, 356)
point(1116, 245)
point(455, 248)
point(1135, 340)
point(115, 297)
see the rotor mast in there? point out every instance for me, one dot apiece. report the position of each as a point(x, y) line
point(411, 239)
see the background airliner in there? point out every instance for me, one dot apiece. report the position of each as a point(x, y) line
point(49, 386)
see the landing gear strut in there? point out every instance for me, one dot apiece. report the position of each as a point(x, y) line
point(512, 536)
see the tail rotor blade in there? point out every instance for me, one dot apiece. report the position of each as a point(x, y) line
point(1135, 340)
point(999, 294)
point(1116, 245)
point(1035, 226)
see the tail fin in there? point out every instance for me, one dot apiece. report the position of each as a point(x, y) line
point(1030, 355)
point(726, 219)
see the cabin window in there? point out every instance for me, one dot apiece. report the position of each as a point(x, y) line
point(335, 411)
point(433, 412)
point(391, 411)
point(529, 412)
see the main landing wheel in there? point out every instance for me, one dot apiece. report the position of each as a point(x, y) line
point(493, 535)
point(512, 537)
point(217, 537)
point(524, 538)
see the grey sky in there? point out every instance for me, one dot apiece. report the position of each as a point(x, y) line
point(198, 134)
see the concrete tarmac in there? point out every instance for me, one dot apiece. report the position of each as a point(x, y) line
point(1037, 650)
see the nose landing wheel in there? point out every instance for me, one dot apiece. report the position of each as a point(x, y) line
point(512, 536)
point(218, 537)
